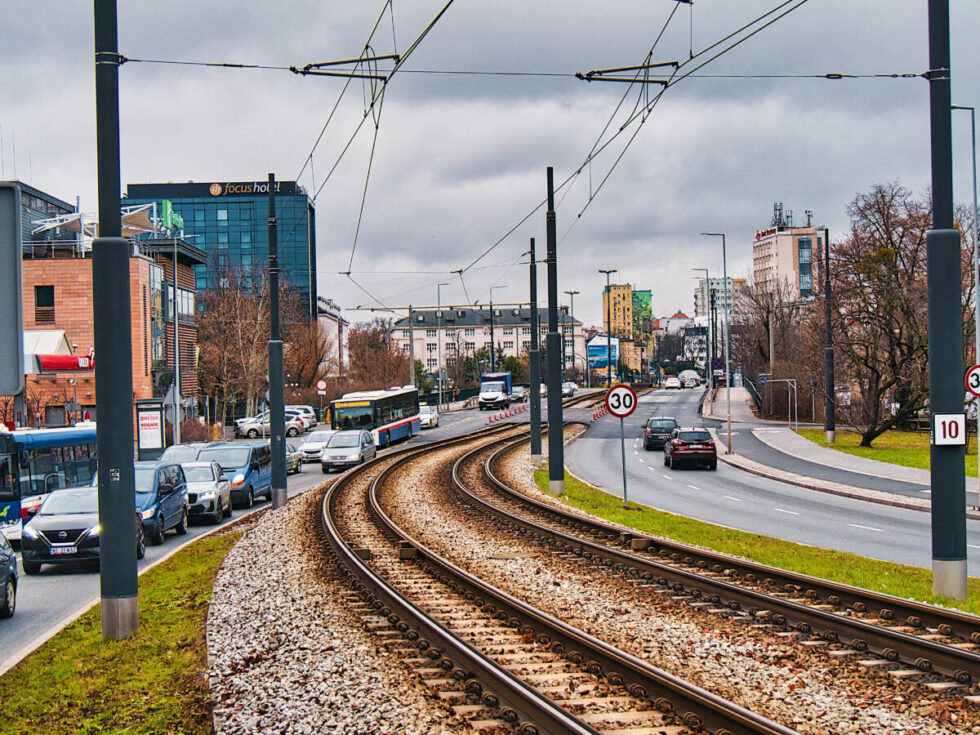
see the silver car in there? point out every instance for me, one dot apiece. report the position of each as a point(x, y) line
point(311, 450)
point(346, 449)
point(260, 426)
point(208, 491)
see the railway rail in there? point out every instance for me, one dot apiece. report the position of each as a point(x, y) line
point(924, 637)
point(499, 660)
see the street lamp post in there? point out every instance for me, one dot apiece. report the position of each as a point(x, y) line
point(493, 344)
point(608, 271)
point(976, 265)
point(708, 369)
point(439, 339)
point(571, 297)
point(728, 369)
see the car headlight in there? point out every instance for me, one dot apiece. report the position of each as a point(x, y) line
point(148, 514)
point(355, 455)
point(28, 532)
point(94, 530)
point(209, 495)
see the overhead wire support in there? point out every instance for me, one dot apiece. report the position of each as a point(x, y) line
point(631, 80)
point(598, 73)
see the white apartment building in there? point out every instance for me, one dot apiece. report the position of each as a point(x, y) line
point(787, 256)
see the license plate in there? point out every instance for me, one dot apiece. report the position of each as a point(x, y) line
point(56, 550)
point(695, 446)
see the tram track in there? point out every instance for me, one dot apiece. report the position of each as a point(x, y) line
point(496, 657)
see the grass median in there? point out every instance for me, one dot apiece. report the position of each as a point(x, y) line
point(154, 682)
point(838, 566)
point(907, 448)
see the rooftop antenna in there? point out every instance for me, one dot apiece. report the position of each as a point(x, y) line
point(809, 217)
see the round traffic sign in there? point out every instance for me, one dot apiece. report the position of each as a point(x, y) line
point(973, 380)
point(621, 401)
point(321, 384)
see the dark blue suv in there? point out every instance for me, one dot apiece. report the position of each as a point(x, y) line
point(161, 496)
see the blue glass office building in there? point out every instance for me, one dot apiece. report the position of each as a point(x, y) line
point(229, 221)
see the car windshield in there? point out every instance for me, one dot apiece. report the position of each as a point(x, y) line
point(75, 501)
point(344, 440)
point(492, 387)
point(145, 479)
point(694, 436)
point(180, 453)
point(662, 424)
point(425, 409)
point(319, 436)
point(226, 456)
point(199, 474)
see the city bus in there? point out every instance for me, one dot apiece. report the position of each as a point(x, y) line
point(389, 415)
point(33, 462)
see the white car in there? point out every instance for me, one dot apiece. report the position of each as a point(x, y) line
point(568, 389)
point(544, 389)
point(306, 412)
point(312, 449)
point(672, 381)
point(208, 491)
point(428, 417)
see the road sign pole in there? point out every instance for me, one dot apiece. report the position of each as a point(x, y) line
point(622, 446)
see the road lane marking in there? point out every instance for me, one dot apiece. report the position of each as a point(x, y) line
point(732, 497)
point(668, 476)
point(783, 510)
point(694, 487)
point(971, 546)
point(642, 460)
point(866, 528)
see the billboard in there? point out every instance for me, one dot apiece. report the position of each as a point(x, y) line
point(598, 352)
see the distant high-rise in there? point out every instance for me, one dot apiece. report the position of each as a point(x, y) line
point(783, 256)
point(229, 221)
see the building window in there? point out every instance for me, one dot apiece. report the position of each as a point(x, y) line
point(222, 215)
point(508, 330)
point(508, 345)
point(451, 333)
point(406, 334)
point(44, 304)
point(431, 362)
point(469, 332)
point(525, 330)
point(526, 345)
point(469, 346)
point(430, 333)
point(431, 347)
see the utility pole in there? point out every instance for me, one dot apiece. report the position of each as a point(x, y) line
point(411, 347)
point(556, 437)
point(709, 370)
point(726, 300)
point(113, 345)
point(949, 572)
point(534, 366)
point(830, 396)
point(571, 298)
point(439, 340)
point(176, 386)
point(493, 341)
point(608, 326)
point(277, 411)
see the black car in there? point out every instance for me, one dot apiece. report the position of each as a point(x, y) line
point(8, 578)
point(657, 430)
point(66, 529)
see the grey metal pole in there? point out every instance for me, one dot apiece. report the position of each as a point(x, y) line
point(725, 305)
point(622, 446)
point(439, 340)
point(113, 345)
point(830, 397)
point(176, 308)
point(571, 299)
point(534, 366)
point(976, 269)
point(709, 371)
point(556, 438)
point(949, 566)
point(493, 357)
point(411, 347)
point(608, 327)
point(277, 412)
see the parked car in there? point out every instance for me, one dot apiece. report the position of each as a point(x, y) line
point(260, 425)
point(311, 450)
point(544, 389)
point(247, 464)
point(346, 449)
point(657, 430)
point(307, 412)
point(690, 446)
point(672, 381)
point(520, 394)
point(208, 491)
point(66, 529)
point(182, 452)
point(161, 496)
point(8, 578)
point(293, 462)
point(428, 417)
point(691, 382)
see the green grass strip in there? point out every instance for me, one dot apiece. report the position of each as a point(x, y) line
point(906, 448)
point(151, 683)
point(838, 566)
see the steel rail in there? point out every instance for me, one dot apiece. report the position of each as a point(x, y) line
point(893, 645)
point(538, 713)
point(696, 707)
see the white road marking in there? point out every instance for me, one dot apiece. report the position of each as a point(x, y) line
point(732, 497)
point(636, 453)
point(643, 460)
point(971, 546)
point(694, 487)
point(866, 528)
point(668, 477)
point(782, 510)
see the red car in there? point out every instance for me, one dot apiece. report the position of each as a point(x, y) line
point(690, 447)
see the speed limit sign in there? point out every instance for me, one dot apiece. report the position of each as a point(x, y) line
point(973, 380)
point(621, 401)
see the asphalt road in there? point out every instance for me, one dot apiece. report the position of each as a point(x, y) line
point(733, 498)
point(46, 600)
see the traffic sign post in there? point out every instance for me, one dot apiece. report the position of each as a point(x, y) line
point(321, 390)
point(972, 380)
point(621, 402)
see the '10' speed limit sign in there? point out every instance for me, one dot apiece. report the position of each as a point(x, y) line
point(621, 401)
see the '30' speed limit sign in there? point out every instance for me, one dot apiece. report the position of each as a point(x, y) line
point(621, 401)
point(973, 380)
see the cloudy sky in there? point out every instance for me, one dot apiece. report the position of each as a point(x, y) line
point(460, 159)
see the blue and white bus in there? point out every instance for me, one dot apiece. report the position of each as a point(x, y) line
point(33, 462)
point(389, 415)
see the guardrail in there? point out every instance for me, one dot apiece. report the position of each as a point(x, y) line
point(753, 391)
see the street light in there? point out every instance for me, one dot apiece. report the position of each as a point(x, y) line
point(608, 326)
point(493, 348)
point(571, 297)
point(709, 372)
point(728, 368)
point(976, 263)
point(439, 338)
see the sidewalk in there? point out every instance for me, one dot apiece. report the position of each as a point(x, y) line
point(716, 406)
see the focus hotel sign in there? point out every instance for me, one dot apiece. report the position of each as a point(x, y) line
point(763, 234)
point(250, 188)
